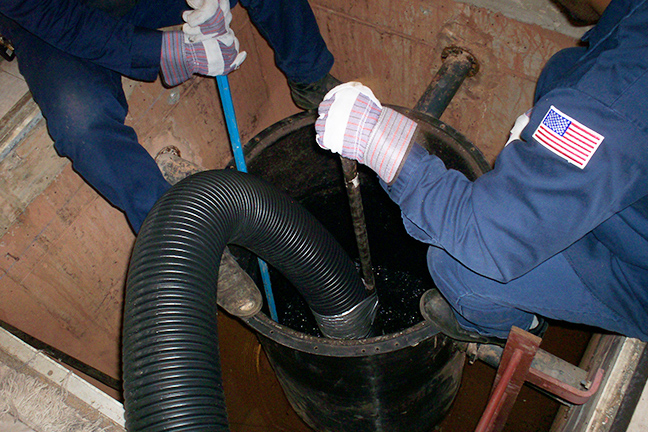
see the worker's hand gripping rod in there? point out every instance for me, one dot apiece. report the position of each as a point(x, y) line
point(458, 64)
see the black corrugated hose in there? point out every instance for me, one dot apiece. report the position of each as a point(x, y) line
point(172, 375)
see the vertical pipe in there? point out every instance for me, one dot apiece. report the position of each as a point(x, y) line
point(457, 65)
point(352, 182)
point(239, 158)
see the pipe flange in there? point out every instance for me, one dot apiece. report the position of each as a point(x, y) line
point(458, 51)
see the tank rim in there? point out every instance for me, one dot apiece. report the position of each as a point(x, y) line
point(294, 339)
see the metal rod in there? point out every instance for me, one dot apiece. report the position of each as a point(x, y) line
point(491, 419)
point(352, 182)
point(457, 65)
point(553, 376)
point(239, 158)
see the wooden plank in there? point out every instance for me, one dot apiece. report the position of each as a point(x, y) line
point(17, 123)
point(25, 173)
point(12, 84)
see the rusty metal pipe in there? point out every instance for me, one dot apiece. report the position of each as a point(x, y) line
point(488, 421)
point(559, 379)
point(458, 64)
point(352, 183)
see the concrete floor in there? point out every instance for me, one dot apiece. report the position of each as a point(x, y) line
point(41, 393)
point(10, 424)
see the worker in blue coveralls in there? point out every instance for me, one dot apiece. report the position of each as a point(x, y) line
point(73, 53)
point(559, 228)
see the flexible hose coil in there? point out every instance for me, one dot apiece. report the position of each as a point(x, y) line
point(172, 377)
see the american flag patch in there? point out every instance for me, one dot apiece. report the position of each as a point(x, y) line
point(567, 138)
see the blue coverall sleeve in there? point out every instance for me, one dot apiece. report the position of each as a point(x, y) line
point(534, 203)
point(91, 34)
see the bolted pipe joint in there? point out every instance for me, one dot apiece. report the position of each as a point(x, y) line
point(458, 64)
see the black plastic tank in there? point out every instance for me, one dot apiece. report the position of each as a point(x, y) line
point(406, 376)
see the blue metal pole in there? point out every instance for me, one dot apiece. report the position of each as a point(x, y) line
point(239, 158)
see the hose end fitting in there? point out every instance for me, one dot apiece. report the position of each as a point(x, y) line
point(356, 323)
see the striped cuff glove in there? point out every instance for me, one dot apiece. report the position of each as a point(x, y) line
point(353, 123)
point(180, 58)
point(207, 19)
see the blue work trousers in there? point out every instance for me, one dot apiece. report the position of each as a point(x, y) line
point(552, 290)
point(85, 106)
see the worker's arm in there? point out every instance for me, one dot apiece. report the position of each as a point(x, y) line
point(91, 34)
point(136, 52)
point(534, 203)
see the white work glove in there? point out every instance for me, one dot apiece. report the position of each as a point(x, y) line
point(354, 124)
point(520, 123)
point(180, 58)
point(205, 46)
point(207, 19)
